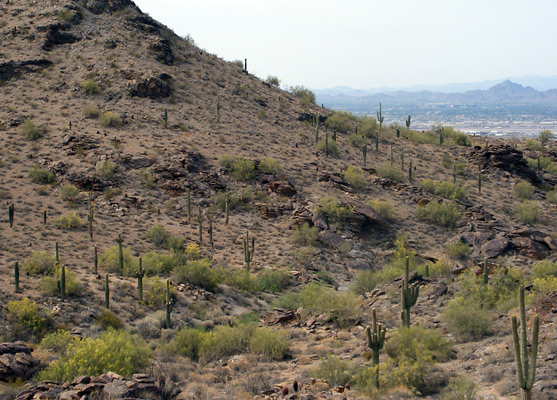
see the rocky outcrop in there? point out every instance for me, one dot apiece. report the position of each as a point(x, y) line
point(56, 35)
point(107, 386)
point(101, 6)
point(163, 52)
point(16, 361)
point(85, 182)
point(155, 87)
point(282, 187)
point(11, 69)
point(503, 158)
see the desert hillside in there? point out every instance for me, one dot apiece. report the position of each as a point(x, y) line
point(175, 227)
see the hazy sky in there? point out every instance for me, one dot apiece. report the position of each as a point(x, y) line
point(372, 43)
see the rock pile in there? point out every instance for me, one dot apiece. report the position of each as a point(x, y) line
point(16, 361)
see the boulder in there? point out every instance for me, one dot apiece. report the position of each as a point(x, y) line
point(56, 35)
point(11, 69)
point(163, 52)
point(496, 247)
point(154, 88)
point(283, 188)
point(16, 361)
point(84, 181)
point(330, 239)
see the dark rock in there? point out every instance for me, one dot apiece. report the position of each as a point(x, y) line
point(145, 23)
point(86, 182)
point(440, 289)
point(100, 6)
point(55, 35)
point(320, 221)
point(130, 162)
point(195, 162)
point(496, 247)
point(117, 389)
point(330, 239)
point(153, 88)
point(11, 69)
point(283, 188)
point(530, 248)
point(163, 52)
point(16, 361)
point(311, 117)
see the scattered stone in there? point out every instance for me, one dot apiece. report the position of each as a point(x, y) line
point(16, 361)
point(153, 88)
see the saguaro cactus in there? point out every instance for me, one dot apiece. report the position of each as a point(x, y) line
point(119, 240)
point(408, 122)
point(479, 177)
point(248, 254)
point(63, 282)
point(90, 217)
point(189, 206)
point(165, 117)
point(57, 254)
point(454, 174)
point(364, 152)
point(375, 338)
point(140, 274)
point(380, 117)
point(402, 160)
point(44, 216)
point(246, 65)
point(525, 364)
point(441, 137)
point(408, 296)
point(377, 141)
point(16, 276)
point(11, 211)
point(106, 292)
point(168, 303)
point(210, 231)
point(316, 128)
point(410, 172)
point(397, 132)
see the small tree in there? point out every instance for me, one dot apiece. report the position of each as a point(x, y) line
point(545, 135)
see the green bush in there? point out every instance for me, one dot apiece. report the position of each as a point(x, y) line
point(115, 350)
point(334, 210)
point(335, 371)
point(272, 81)
point(26, 318)
point(157, 234)
point(69, 193)
point(444, 214)
point(458, 250)
point(533, 145)
point(269, 343)
point(269, 166)
point(58, 341)
point(91, 111)
point(329, 145)
point(146, 178)
point(49, 284)
point(188, 343)
point(109, 320)
point(338, 122)
point(89, 86)
point(357, 139)
point(354, 176)
point(448, 190)
point(339, 307)
point(552, 196)
point(304, 255)
point(110, 119)
point(544, 136)
point(243, 169)
point(31, 131)
point(388, 171)
point(107, 169)
point(154, 292)
point(544, 268)
point(466, 319)
point(527, 212)
point(305, 234)
point(39, 263)
point(440, 267)
point(70, 220)
point(226, 341)
point(198, 273)
point(546, 163)
point(305, 96)
point(383, 208)
point(274, 280)
point(160, 263)
point(220, 201)
point(523, 190)
point(109, 261)
point(240, 279)
point(41, 175)
point(460, 388)
point(368, 127)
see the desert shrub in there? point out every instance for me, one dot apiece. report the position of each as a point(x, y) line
point(305, 95)
point(545, 163)
point(49, 284)
point(69, 193)
point(466, 319)
point(239, 279)
point(453, 136)
point(39, 263)
point(160, 263)
point(198, 273)
point(233, 201)
point(544, 268)
point(26, 319)
point(552, 196)
point(544, 136)
point(41, 175)
point(89, 86)
point(110, 119)
point(460, 388)
point(523, 190)
point(115, 350)
point(338, 122)
point(357, 139)
point(227, 160)
point(325, 277)
point(448, 190)
point(368, 127)
point(269, 343)
point(269, 165)
point(146, 178)
point(109, 320)
point(339, 307)
point(383, 208)
point(304, 255)
point(111, 193)
point(458, 250)
point(243, 169)
point(305, 235)
point(109, 261)
point(334, 370)
point(542, 286)
point(273, 81)
point(365, 281)
point(354, 176)
point(334, 210)
point(70, 220)
point(188, 342)
point(533, 145)
point(444, 214)
point(154, 292)
point(91, 111)
point(413, 351)
point(31, 131)
point(58, 341)
point(192, 252)
point(527, 212)
point(226, 341)
point(386, 170)
point(441, 267)
point(107, 169)
point(274, 280)
point(329, 145)
point(157, 234)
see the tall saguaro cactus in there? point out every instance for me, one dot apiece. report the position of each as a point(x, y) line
point(525, 363)
point(16, 276)
point(479, 177)
point(248, 254)
point(375, 338)
point(486, 272)
point(106, 292)
point(218, 109)
point(11, 211)
point(90, 217)
point(380, 118)
point(200, 224)
point(168, 303)
point(63, 282)
point(57, 254)
point(408, 297)
point(119, 240)
point(96, 260)
point(316, 128)
point(410, 172)
point(140, 274)
point(408, 120)
point(364, 152)
point(165, 118)
point(227, 207)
